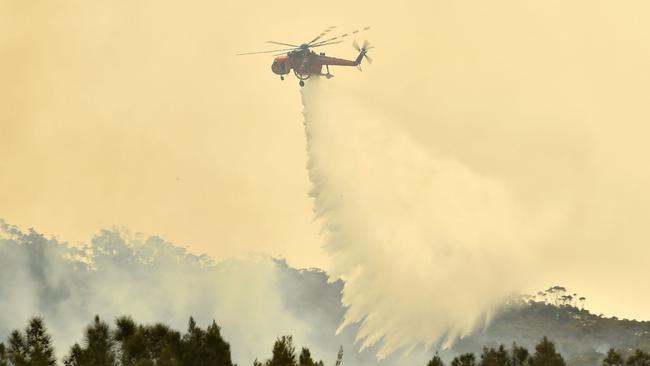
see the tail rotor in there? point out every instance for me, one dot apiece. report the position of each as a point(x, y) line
point(363, 50)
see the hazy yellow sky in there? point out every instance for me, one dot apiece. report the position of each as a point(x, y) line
point(138, 114)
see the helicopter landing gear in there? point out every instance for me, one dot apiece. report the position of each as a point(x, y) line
point(328, 75)
point(302, 83)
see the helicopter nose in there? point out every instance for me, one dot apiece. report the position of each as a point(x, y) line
point(275, 68)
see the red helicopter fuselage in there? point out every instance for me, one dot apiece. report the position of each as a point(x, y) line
point(305, 63)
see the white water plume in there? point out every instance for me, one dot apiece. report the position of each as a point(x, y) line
point(427, 247)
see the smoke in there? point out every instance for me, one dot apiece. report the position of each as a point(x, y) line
point(147, 278)
point(428, 248)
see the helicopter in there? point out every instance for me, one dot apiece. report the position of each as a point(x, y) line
point(304, 62)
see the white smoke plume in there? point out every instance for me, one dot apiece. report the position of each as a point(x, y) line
point(147, 278)
point(427, 247)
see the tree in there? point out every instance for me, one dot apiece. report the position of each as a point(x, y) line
point(216, 348)
point(163, 344)
point(125, 328)
point(75, 357)
point(305, 358)
point(494, 357)
point(466, 359)
point(435, 361)
point(613, 358)
point(4, 361)
point(98, 347)
point(39, 349)
point(556, 293)
point(582, 302)
point(130, 340)
point(99, 344)
point(192, 344)
point(520, 355)
point(339, 357)
point(168, 358)
point(284, 353)
point(134, 348)
point(201, 347)
point(639, 358)
point(545, 354)
point(17, 353)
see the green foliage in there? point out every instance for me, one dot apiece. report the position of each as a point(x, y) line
point(495, 357)
point(4, 360)
point(305, 358)
point(17, 353)
point(545, 354)
point(435, 361)
point(40, 351)
point(199, 347)
point(284, 353)
point(98, 347)
point(613, 358)
point(520, 355)
point(33, 348)
point(140, 344)
point(466, 359)
point(639, 358)
point(218, 350)
point(132, 344)
point(75, 358)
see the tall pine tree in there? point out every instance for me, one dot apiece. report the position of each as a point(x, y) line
point(545, 354)
point(520, 355)
point(98, 347)
point(305, 358)
point(39, 344)
point(17, 352)
point(435, 361)
point(284, 353)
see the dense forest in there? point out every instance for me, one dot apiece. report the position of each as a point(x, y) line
point(131, 344)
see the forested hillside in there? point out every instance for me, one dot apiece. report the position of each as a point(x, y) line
point(254, 301)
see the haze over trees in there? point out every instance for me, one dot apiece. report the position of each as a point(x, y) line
point(67, 286)
point(128, 343)
point(545, 355)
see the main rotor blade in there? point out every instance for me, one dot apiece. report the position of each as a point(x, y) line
point(327, 30)
point(325, 44)
point(283, 44)
point(271, 51)
point(341, 36)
